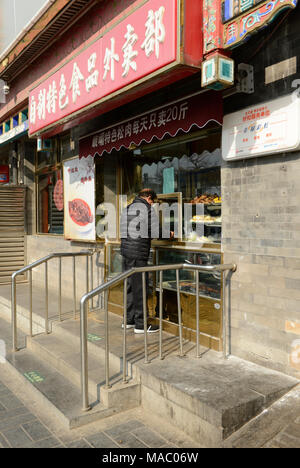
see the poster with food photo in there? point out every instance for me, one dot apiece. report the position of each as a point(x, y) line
point(79, 201)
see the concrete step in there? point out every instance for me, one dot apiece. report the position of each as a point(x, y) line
point(52, 390)
point(210, 398)
point(65, 358)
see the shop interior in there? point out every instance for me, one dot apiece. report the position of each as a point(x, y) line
point(185, 172)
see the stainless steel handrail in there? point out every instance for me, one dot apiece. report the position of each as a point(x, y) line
point(29, 269)
point(124, 277)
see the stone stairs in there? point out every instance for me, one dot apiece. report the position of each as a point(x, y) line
point(208, 398)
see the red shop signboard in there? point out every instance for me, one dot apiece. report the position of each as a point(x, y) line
point(152, 38)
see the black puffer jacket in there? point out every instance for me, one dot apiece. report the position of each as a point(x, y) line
point(139, 224)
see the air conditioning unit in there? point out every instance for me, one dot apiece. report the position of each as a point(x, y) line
point(44, 144)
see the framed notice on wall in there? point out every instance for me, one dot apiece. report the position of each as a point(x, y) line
point(263, 129)
point(79, 199)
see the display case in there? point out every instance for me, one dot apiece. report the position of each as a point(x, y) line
point(210, 294)
point(209, 283)
point(203, 223)
point(210, 290)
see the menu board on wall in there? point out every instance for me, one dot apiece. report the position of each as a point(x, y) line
point(267, 128)
point(79, 199)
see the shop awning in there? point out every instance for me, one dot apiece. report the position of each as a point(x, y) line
point(16, 132)
point(182, 115)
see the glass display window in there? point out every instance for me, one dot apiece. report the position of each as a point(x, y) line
point(50, 203)
point(188, 167)
point(66, 147)
point(47, 158)
point(209, 283)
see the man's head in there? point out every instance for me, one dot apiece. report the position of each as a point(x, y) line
point(149, 195)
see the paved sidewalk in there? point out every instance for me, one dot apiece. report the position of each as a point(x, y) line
point(23, 424)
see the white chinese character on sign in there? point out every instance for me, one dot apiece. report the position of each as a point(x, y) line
point(92, 80)
point(74, 85)
point(162, 119)
point(63, 93)
point(52, 98)
point(120, 133)
point(128, 130)
point(136, 127)
point(128, 52)
point(183, 110)
point(101, 139)
point(152, 120)
point(155, 32)
point(41, 107)
point(32, 111)
point(109, 60)
point(144, 124)
point(95, 142)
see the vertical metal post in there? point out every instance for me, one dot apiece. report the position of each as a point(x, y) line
point(59, 288)
point(224, 315)
point(145, 317)
point(84, 356)
point(106, 340)
point(160, 313)
point(87, 278)
point(124, 334)
point(197, 317)
point(92, 277)
point(30, 301)
point(179, 313)
point(46, 299)
point(14, 312)
point(74, 288)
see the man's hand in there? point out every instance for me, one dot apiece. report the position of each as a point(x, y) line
point(171, 234)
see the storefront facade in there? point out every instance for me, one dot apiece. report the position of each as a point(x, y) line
point(128, 108)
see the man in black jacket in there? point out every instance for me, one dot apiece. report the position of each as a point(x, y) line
point(139, 224)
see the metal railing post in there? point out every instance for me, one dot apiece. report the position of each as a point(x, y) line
point(74, 288)
point(160, 313)
point(106, 341)
point(46, 299)
point(84, 355)
point(30, 302)
point(14, 313)
point(59, 288)
point(87, 279)
point(197, 317)
point(145, 317)
point(125, 334)
point(179, 313)
point(224, 316)
point(92, 277)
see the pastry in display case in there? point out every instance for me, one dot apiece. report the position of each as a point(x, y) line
point(209, 223)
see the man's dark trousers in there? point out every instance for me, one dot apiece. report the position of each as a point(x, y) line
point(135, 313)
